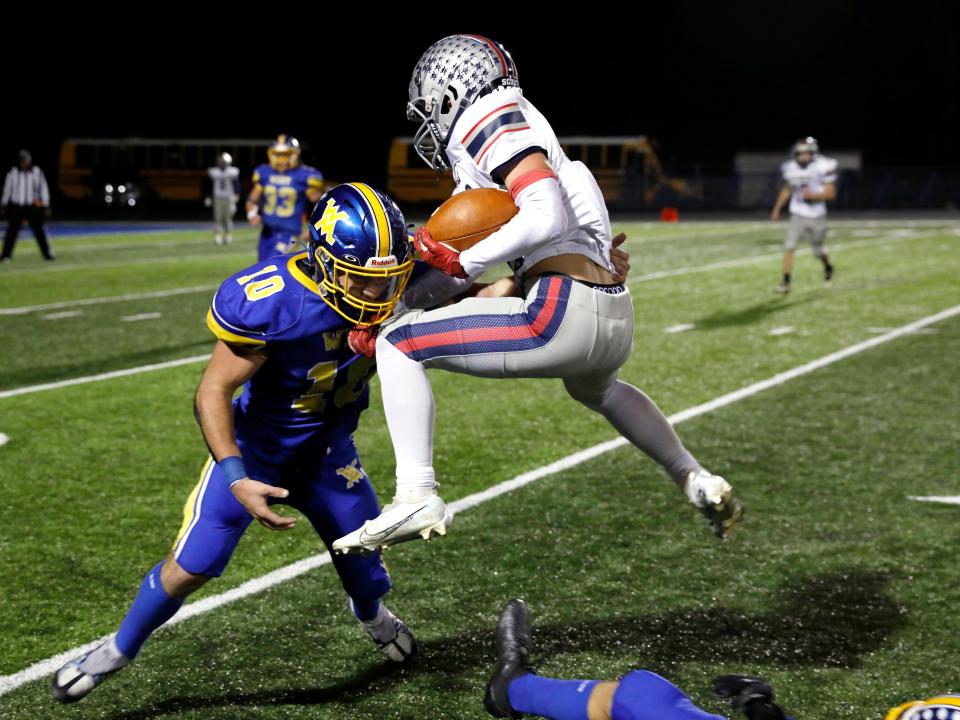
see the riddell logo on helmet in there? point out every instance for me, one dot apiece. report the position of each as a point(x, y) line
point(382, 261)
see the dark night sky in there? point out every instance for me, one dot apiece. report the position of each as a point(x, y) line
point(704, 79)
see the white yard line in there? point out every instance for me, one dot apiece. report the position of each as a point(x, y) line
point(752, 259)
point(141, 316)
point(922, 331)
point(944, 499)
point(63, 314)
point(25, 309)
point(59, 267)
point(782, 330)
point(257, 585)
point(682, 327)
point(103, 376)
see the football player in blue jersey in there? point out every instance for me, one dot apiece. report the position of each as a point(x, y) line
point(282, 329)
point(515, 689)
point(278, 201)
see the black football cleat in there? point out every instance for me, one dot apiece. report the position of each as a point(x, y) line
point(751, 696)
point(513, 658)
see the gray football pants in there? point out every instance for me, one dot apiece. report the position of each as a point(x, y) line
point(561, 329)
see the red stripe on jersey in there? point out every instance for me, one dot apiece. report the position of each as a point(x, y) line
point(462, 337)
point(496, 137)
point(481, 120)
point(529, 178)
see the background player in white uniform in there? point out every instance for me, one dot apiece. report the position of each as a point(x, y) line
point(223, 196)
point(575, 321)
point(809, 181)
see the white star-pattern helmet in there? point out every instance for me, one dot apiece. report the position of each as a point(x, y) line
point(449, 77)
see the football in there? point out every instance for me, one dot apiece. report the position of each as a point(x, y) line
point(469, 217)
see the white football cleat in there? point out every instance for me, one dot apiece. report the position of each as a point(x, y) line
point(399, 522)
point(74, 680)
point(713, 496)
point(390, 634)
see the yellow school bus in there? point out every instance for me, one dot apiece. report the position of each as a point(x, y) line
point(167, 170)
point(616, 162)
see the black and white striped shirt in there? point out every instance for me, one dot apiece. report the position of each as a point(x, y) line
point(23, 187)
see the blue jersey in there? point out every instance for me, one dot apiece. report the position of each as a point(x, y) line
point(284, 200)
point(305, 397)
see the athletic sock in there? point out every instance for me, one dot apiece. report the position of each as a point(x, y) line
point(558, 699)
point(150, 609)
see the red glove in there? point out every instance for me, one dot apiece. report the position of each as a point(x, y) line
point(437, 255)
point(363, 340)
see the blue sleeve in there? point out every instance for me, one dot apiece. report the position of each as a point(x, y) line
point(255, 306)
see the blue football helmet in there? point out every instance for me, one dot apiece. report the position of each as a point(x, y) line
point(360, 252)
point(449, 77)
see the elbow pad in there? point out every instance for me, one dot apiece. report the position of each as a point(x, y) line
point(541, 220)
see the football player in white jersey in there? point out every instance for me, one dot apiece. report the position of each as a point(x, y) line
point(224, 191)
point(574, 320)
point(809, 181)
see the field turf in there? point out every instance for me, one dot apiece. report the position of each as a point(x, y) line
point(838, 589)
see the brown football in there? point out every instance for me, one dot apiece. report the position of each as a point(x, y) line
point(469, 217)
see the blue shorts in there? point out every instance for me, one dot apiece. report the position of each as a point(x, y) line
point(274, 241)
point(336, 496)
point(644, 695)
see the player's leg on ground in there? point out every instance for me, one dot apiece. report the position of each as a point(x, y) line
point(790, 240)
point(338, 498)
point(641, 695)
point(515, 688)
point(818, 240)
point(231, 210)
point(219, 220)
point(213, 522)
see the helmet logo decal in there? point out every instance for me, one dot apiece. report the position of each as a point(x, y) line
point(332, 214)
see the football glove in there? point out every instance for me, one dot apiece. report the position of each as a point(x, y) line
point(752, 696)
point(437, 255)
point(363, 340)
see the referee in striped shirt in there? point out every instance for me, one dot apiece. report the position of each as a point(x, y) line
point(25, 197)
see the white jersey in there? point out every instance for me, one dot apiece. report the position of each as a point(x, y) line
point(503, 124)
point(819, 172)
point(224, 181)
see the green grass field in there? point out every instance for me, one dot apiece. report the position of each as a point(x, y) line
point(838, 588)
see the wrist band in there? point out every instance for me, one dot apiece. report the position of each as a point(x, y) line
point(252, 213)
point(232, 469)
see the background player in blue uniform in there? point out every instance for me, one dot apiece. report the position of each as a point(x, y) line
point(282, 189)
point(515, 688)
point(282, 329)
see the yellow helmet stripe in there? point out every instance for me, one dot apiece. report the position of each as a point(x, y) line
point(380, 214)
